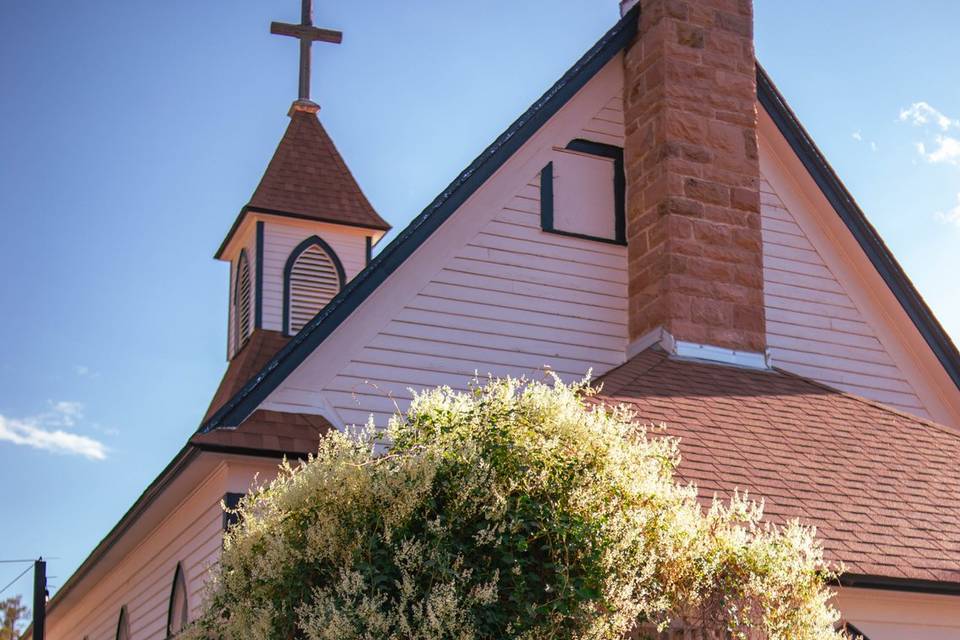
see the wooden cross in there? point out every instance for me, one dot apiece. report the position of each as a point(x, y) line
point(307, 34)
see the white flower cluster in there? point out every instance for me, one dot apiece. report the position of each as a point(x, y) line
point(520, 510)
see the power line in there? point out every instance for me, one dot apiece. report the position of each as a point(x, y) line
point(27, 560)
point(12, 582)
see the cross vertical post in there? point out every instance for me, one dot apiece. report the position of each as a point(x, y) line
point(307, 34)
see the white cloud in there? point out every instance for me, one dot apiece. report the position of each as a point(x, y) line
point(947, 150)
point(939, 147)
point(921, 113)
point(951, 216)
point(858, 136)
point(47, 431)
point(84, 371)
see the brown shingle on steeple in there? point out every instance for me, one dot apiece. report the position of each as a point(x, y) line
point(308, 178)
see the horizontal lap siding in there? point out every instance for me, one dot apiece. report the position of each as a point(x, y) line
point(813, 327)
point(143, 580)
point(513, 301)
point(280, 240)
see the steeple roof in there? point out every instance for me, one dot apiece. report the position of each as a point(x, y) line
point(307, 178)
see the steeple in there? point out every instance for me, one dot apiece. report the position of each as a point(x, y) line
point(307, 229)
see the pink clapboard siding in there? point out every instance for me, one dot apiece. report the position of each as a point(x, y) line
point(507, 299)
point(491, 293)
point(281, 237)
point(142, 580)
point(512, 301)
point(814, 328)
point(184, 525)
point(887, 615)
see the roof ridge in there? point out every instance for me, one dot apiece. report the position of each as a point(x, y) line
point(873, 403)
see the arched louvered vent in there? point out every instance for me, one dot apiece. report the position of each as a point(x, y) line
point(314, 276)
point(179, 612)
point(243, 299)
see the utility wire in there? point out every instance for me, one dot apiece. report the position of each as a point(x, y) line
point(12, 561)
point(12, 582)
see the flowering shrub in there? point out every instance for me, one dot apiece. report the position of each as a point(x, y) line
point(519, 510)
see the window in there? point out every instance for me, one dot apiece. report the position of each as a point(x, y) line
point(852, 631)
point(313, 276)
point(242, 300)
point(123, 625)
point(582, 192)
point(179, 612)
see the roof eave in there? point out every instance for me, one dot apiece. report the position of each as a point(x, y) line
point(887, 583)
point(856, 221)
point(183, 458)
point(248, 208)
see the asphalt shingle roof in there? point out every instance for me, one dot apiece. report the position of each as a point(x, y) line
point(881, 486)
point(307, 177)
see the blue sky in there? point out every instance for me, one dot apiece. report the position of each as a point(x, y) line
point(132, 133)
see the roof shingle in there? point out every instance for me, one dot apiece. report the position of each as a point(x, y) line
point(307, 177)
point(266, 432)
point(262, 345)
point(881, 486)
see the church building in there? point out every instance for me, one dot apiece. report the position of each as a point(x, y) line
point(658, 217)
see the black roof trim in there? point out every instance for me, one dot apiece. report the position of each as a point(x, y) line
point(853, 217)
point(422, 227)
point(180, 462)
point(285, 214)
point(913, 585)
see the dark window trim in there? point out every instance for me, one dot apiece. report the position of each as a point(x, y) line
point(619, 192)
point(177, 576)
point(258, 292)
point(242, 262)
point(123, 622)
point(230, 500)
point(292, 260)
point(368, 249)
point(854, 632)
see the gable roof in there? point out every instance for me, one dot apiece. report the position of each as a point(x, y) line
point(873, 480)
point(257, 388)
point(308, 179)
point(421, 227)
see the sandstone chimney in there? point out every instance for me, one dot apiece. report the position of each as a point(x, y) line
point(692, 169)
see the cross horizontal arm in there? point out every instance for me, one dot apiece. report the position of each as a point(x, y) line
point(306, 32)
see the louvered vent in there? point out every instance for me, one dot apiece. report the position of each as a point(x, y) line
point(314, 281)
point(243, 300)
